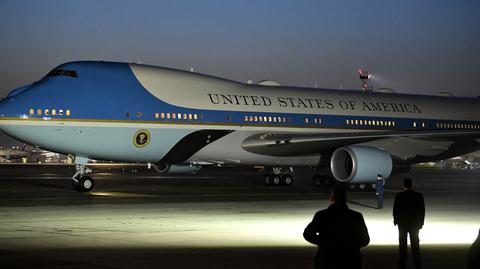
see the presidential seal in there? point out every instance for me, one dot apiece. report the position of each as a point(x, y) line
point(141, 138)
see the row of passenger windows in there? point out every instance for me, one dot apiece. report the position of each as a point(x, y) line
point(179, 116)
point(315, 120)
point(414, 124)
point(48, 112)
point(458, 126)
point(370, 122)
point(266, 119)
point(275, 119)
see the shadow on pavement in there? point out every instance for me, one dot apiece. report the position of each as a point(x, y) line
point(260, 257)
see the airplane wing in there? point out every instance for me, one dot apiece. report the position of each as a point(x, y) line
point(418, 143)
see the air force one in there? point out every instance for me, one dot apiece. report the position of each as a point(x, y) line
point(179, 121)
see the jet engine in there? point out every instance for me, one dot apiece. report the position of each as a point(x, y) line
point(360, 164)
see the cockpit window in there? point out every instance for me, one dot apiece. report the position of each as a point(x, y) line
point(61, 72)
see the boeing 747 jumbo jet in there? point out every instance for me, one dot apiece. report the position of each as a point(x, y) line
point(180, 121)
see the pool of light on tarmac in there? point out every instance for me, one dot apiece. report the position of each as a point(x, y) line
point(116, 194)
point(223, 224)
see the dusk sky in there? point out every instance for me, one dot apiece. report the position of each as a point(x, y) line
point(410, 46)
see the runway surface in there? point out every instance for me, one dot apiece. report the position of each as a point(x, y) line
point(217, 218)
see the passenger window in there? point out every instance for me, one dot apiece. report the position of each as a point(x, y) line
point(60, 112)
point(54, 112)
point(32, 111)
point(47, 112)
point(67, 112)
point(39, 112)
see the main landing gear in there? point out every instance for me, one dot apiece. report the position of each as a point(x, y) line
point(278, 177)
point(277, 180)
point(328, 181)
point(80, 181)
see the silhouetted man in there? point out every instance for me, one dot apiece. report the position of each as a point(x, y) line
point(339, 233)
point(379, 188)
point(409, 215)
point(474, 254)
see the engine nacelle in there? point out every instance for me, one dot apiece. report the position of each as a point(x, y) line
point(360, 164)
point(177, 168)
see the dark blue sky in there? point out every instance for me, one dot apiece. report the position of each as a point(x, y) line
point(411, 46)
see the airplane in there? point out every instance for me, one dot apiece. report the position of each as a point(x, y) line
point(179, 121)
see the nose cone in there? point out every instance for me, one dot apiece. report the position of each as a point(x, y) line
point(18, 91)
point(5, 111)
point(10, 108)
point(3, 115)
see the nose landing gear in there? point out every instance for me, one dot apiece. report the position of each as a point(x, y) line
point(80, 181)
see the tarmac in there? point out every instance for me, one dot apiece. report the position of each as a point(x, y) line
point(216, 218)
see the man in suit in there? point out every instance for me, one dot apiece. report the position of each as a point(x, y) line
point(339, 233)
point(409, 215)
point(379, 187)
point(474, 254)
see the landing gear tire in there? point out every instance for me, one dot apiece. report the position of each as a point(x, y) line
point(268, 179)
point(276, 180)
point(362, 187)
point(84, 184)
point(352, 186)
point(287, 180)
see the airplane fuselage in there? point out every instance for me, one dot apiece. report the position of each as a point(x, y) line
point(139, 113)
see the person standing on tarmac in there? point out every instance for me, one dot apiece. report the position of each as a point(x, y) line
point(380, 189)
point(339, 233)
point(409, 215)
point(473, 258)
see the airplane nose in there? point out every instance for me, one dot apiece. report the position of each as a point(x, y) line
point(2, 107)
point(7, 108)
point(9, 104)
point(2, 114)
